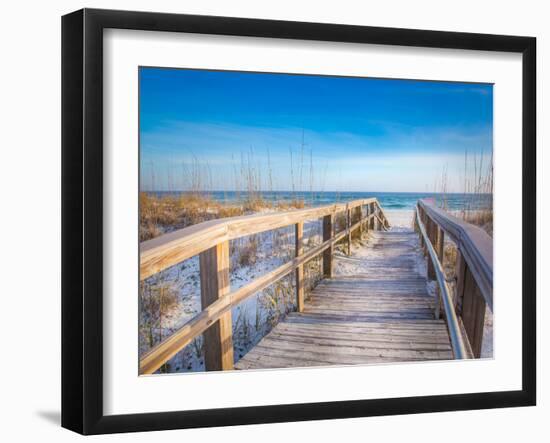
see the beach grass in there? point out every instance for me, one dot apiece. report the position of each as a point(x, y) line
point(159, 214)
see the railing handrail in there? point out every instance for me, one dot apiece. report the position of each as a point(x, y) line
point(170, 249)
point(474, 243)
point(457, 342)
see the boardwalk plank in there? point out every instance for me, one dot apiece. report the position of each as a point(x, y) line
point(347, 340)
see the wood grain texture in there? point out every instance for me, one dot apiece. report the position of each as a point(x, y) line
point(348, 230)
point(371, 220)
point(430, 231)
point(328, 229)
point(460, 275)
point(357, 217)
point(214, 277)
point(382, 315)
point(298, 236)
point(473, 313)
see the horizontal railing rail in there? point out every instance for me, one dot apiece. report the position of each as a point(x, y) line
point(457, 342)
point(474, 267)
point(210, 241)
point(170, 249)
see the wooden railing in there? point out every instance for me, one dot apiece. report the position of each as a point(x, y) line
point(443, 292)
point(210, 240)
point(474, 267)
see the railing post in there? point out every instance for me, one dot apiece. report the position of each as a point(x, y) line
point(440, 246)
point(429, 231)
point(327, 253)
point(473, 310)
point(214, 280)
point(437, 308)
point(371, 212)
point(439, 249)
point(348, 222)
point(359, 219)
point(460, 273)
point(417, 226)
point(299, 233)
point(380, 219)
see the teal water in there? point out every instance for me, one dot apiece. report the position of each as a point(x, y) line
point(388, 200)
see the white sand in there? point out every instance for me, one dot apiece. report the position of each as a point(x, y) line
point(400, 218)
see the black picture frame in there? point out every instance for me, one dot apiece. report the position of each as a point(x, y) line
point(82, 218)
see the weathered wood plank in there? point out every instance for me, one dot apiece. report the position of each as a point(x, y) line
point(358, 218)
point(348, 227)
point(374, 340)
point(332, 349)
point(417, 305)
point(371, 220)
point(459, 288)
point(473, 313)
point(404, 342)
point(214, 278)
point(429, 230)
point(326, 321)
point(299, 233)
point(417, 327)
point(341, 355)
point(291, 361)
point(328, 229)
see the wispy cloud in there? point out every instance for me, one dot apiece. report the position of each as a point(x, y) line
point(403, 155)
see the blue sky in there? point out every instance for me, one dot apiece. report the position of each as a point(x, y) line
point(359, 134)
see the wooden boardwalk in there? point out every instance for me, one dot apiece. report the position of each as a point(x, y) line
point(380, 313)
point(371, 306)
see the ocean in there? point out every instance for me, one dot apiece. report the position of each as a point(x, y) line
point(388, 200)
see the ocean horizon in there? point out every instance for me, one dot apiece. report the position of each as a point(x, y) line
point(388, 200)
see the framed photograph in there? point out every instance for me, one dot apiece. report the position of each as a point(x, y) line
point(269, 221)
